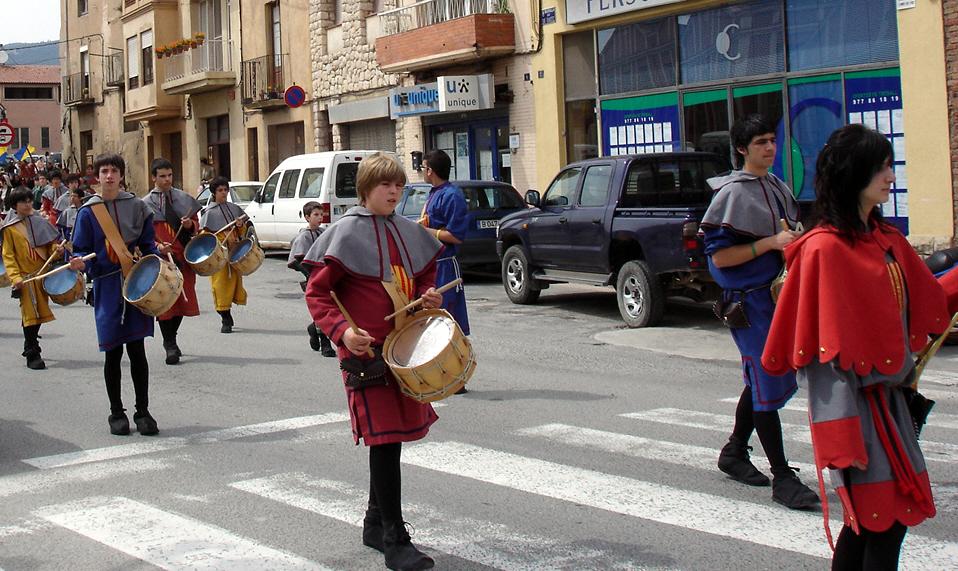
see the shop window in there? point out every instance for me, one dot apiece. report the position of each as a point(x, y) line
point(815, 111)
point(637, 56)
point(733, 41)
point(706, 122)
point(825, 33)
point(582, 138)
point(639, 125)
point(767, 101)
point(578, 63)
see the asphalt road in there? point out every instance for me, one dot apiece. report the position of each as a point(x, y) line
point(582, 445)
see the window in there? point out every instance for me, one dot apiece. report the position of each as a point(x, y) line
point(582, 137)
point(45, 137)
point(416, 200)
point(637, 56)
point(823, 33)
point(312, 183)
point(288, 188)
point(146, 49)
point(337, 12)
point(562, 188)
point(85, 70)
point(276, 36)
point(132, 63)
point(269, 189)
point(578, 63)
point(378, 6)
point(816, 111)
point(491, 197)
point(346, 180)
point(28, 93)
point(669, 183)
point(82, 7)
point(21, 137)
point(595, 186)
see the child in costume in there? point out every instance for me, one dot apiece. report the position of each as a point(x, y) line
point(313, 213)
point(227, 284)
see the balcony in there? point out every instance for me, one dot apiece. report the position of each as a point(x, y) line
point(436, 33)
point(114, 70)
point(76, 90)
point(264, 81)
point(207, 67)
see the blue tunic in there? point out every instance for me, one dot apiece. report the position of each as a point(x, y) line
point(750, 282)
point(117, 322)
point(446, 209)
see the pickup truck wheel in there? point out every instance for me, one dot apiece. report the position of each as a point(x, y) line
point(516, 277)
point(640, 296)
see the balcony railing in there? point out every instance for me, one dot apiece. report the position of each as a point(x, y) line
point(430, 12)
point(213, 55)
point(264, 79)
point(76, 89)
point(114, 70)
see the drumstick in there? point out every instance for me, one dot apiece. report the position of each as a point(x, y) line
point(348, 319)
point(57, 270)
point(413, 304)
point(50, 259)
point(233, 223)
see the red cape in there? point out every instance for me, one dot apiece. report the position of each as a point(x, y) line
point(839, 301)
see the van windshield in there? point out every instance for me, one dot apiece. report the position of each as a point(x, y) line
point(346, 180)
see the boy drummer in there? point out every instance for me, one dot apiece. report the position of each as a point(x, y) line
point(313, 213)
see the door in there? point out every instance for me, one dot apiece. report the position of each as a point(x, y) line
point(288, 213)
point(549, 230)
point(260, 211)
point(588, 240)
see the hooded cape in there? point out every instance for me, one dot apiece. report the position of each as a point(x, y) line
point(347, 240)
point(749, 205)
point(38, 229)
point(216, 216)
point(839, 302)
point(128, 212)
point(184, 205)
point(301, 244)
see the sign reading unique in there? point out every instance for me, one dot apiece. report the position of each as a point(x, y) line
point(583, 10)
point(294, 96)
point(466, 92)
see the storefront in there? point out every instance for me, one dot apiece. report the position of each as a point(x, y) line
point(364, 124)
point(675, 78)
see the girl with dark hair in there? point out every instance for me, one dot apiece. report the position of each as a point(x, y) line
point(227, 284)
point(857, 304)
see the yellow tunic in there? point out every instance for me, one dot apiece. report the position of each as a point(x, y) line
point(20, 259)
point(228, 284)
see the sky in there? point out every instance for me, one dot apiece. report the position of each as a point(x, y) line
point(29, 21)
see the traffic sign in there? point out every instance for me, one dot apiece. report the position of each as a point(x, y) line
point(295, 96)
point(6, 133)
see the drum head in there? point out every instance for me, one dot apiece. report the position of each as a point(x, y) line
point(200, 248)
point(142, 278)
point(241, 250)
point(422, 341)
point(59, 284)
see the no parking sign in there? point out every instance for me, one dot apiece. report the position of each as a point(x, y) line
point(294, 96)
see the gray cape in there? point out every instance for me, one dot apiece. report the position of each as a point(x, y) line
point(39, 230)
point(68, 217)
point(54, 194)
point(357, 241)
point(216, 216)
point(301, 244)
point(746, 204)
point(62, 203)
point(184, 205)
point(128, 212)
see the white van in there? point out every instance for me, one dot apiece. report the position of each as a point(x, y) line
point(328, 178)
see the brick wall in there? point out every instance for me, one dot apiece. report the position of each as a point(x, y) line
point(472, 32)
point(950, 13)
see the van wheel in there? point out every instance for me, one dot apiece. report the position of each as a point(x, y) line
point(516, 277)
point(640, 296)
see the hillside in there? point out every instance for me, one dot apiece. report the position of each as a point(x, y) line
point(43, 53)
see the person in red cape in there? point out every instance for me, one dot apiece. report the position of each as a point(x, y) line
point(857, 304)
point(368, 246)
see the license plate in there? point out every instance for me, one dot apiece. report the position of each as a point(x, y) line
point(488, 224)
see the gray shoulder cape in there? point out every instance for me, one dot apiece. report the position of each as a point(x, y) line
point(54, 194)
point(128, 212)
point(184, 205)
point(358, 242)
point(218, 215)
point(68, 217)
point(39, 230)
point(747, 204)
point(62, 203)
point(302, 243)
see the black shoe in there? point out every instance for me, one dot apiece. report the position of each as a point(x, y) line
point(734, 461)
point(401, 554)
point(462, 391)
point(313, 337)
point(326, 347)
point(226, 328)
point(373, 531)
point(119, 424)
point(172, 354)
point(145, 424)
point(302, 284)
point(789, 491)
point(34, 362)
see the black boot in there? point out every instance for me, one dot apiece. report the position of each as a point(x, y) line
point(119, 423)
point(145, 424)
point(733, 460)
point(401, 554)
point(172, 353)
point(313, 336)
point(168, 329)
point(789, 491)
point(31, 348)
point(227, 321)
point(326, 346)
point(373, 528)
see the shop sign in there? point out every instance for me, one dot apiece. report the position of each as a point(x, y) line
point(466, 92)
point(415, 100)
point(583, 10)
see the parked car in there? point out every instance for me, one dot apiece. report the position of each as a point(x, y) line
point(626, 221)
point(241, 193)
point(487, 202)
point(328, 178)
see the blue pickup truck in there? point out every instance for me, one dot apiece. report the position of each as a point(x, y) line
point(625, 221)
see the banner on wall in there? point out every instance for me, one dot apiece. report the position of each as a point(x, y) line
point(873, 99)
point(640, 125)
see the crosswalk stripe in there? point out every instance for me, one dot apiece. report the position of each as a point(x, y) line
point(162, 444)
point(800, 532)
point(698, 457)
point(167, 540)
point(937, 451)
point(939, 419)
point(38, 482)
point(946, 378)
point(490, 544)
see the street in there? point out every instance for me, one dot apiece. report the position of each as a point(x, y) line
point(581, 445)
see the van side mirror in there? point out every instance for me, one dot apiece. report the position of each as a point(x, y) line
point(533, 198)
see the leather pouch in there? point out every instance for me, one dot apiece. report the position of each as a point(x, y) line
point(732, 313)
point(363, 373)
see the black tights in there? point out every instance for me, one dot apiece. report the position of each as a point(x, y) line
point(169, 327)
point(872, 550)
point(766, 423)
point(139, 371)
point(385, 482)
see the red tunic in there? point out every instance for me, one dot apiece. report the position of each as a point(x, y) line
point(379, 415)
point(186, 305)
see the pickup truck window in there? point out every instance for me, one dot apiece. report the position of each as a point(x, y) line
point(675, 183)
point(595, 187)
point(562, 189)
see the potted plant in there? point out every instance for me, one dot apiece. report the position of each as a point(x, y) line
point(272, 92)
point(199, 37)
point(160, 52)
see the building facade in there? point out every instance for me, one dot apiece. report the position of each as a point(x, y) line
point(663, 75)
point(30, 94)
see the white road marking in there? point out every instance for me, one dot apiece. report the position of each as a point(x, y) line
point(946, 378)
point(167, 540)
point(162, 444)
point(939, 419)
point(800, 532)
point(36, 482)
point(937, 451)
point(488, 543)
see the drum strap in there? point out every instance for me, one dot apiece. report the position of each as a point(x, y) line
point(113, 237)
point(399, 300)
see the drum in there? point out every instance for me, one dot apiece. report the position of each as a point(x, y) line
point(246, 257)
point(429, 356)
point(205, 254)
point(4, 278)
point(153, 285)
point(65, 287)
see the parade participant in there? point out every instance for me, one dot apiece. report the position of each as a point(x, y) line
point(857, 304)
point(101, 224)
point(39, 187)
point(70, 181)
point(174, 222)
point(445, 215)
point(89, 177)
point(313, 213)
point(357, 257)
point(51, 197)
point(28, 240)
point(67, 219)
point(227, 284)
point(744, 242)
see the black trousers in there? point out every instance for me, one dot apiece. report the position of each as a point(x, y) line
point(385, 482)
point(768, 425)
point(169, 328)
point(139, 372)
point(870, 550)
